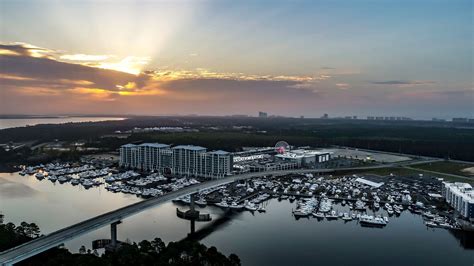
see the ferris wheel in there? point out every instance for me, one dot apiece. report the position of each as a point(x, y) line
point(282, 147)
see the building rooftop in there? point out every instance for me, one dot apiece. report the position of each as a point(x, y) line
point(190, 147)
point(128, 145)
point(156, 145)
point(219, 152)
point(463, 190)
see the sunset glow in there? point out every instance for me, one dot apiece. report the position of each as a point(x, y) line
point(170, 53)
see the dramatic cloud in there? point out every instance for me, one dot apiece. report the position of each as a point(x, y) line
point(44, 81)
point(31, 75)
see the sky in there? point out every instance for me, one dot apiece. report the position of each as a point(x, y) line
point(353, 57)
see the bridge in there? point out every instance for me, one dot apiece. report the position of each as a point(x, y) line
point(54, 239)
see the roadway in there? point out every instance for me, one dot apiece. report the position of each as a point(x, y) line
point(56, 238)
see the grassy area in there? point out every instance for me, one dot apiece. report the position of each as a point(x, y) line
point(445, 167)
point(411, 172)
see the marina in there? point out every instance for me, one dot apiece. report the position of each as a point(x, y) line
point(312, 195)
point(245, 233)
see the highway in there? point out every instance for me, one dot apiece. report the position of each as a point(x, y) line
point(43, 243)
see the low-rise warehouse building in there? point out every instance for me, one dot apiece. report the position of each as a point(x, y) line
point(306, 158)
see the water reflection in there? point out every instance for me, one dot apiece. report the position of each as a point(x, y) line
point(9, 189)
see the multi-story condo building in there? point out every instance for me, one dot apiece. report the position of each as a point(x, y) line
point(461, 197)
point(185, 160)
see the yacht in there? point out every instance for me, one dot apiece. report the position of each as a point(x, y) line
point(236, 206)
point(359, 205)
point(62, 179)
point(52, 178)
point(318, 215)
point(110, 179)
point(74, 181)
point(431, 224)
point(201, 202)
point(332, 215)
point(39, 176)
point(250, 206)
point(222, 204)
point(346, 217)
point(88, 183)
point(368, 220)
point(301, 212)
point(397, 210)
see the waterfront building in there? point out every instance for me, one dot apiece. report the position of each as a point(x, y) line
point(461, 197)
point(307, 158)
point(185, 160)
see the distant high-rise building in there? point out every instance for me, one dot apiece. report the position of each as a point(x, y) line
point(370, 118)
point(325, 116)
point(460, 119)
point(262, 114)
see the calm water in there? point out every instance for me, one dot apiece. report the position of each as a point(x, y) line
point(272, 238)
point(9, 123)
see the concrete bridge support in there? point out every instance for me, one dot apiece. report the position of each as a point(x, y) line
point(113, 233)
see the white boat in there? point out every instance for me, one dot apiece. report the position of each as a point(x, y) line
point(62, 179)
point(109, 179)
point(40, 176)
point(332, 215)
point(52, 178)
point(359, 205)
point(319, 215)
point(236, 206)
point(445, 225)
point(88, 183)
point(222, 204)
point(429, 215)
point(201, 202)
point(431, 224)
point(397, 210)
point(301, 213)
point(368, 220)
point(346, 217)
point(75, 181)
point(261, 209)
point(250, 207)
